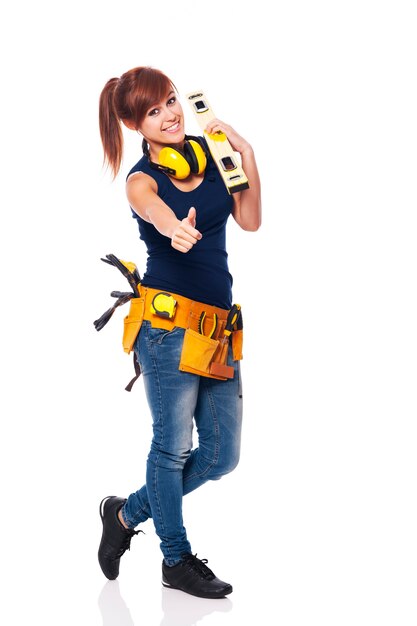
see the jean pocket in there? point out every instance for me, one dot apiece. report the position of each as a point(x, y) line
point(157, 335)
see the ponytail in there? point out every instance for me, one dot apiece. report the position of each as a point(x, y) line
point(110, 127)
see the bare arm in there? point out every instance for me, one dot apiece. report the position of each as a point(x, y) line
point(247, 209)
point(141, 192)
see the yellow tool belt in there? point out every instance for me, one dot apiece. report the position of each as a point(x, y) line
point(205, 345)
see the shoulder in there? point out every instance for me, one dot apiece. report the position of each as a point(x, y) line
point(142, 171)
point(141, 191)
point(139, 181)
point(140, 166)
point(141, 176)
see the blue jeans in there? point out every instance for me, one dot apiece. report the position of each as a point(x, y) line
point(176, 400)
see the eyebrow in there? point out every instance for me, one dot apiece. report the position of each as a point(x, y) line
point(172, 92)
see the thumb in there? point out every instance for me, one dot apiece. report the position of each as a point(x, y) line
point(192, 216)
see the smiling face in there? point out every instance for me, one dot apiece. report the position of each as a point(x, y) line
point(163, 123)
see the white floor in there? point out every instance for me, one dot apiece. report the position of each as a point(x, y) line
point(302, 552)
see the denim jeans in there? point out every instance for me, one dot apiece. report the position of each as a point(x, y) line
point(177, 400)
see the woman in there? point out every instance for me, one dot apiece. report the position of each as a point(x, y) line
point(182, 220)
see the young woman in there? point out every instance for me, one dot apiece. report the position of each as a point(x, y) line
point(182, 219)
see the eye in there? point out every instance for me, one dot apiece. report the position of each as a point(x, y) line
point(172, 100)
point(153, 112)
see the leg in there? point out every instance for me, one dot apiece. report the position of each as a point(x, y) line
point(218, 416)
point(172, 397)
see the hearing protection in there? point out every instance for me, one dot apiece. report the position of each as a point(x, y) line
point(180, 163)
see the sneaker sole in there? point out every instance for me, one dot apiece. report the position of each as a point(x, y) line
point(197, 595)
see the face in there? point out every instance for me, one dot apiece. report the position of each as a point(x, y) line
point(164, 122)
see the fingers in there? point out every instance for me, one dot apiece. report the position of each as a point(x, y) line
point(182, 241)
point(192, 216)
point(236, 141)
point(189, 224)
point(178, 246)
point(185, 235)
point(216, 125)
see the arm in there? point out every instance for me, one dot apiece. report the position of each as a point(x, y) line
point(247, 210)
point(141, 192)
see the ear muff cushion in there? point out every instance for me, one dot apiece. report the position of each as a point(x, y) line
point(169, 157)
point(195, 156)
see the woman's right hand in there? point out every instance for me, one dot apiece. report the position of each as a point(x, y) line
point(185, 234)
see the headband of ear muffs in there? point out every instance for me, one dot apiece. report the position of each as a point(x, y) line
point(180, 163)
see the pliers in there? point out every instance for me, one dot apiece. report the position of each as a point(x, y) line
point(201, 324)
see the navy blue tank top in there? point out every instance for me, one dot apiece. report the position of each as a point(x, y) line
point(201, 274)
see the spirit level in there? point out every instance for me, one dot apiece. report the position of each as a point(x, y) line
point(222, 152)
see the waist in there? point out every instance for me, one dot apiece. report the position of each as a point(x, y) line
point(199, 281)
point(187, 311)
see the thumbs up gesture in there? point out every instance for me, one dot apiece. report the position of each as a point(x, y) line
point(185, 235)
point(191, 217)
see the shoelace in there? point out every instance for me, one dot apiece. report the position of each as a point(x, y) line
point(126, 541)
point(198, 565)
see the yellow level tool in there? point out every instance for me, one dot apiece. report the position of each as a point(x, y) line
point(222, 152)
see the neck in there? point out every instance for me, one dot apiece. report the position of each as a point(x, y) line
point(155, 148)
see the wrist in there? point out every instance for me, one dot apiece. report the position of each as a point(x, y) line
point(173, 228)
point(247, 150)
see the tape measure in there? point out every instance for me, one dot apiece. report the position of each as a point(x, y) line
point(222, 152)
point(163, 305)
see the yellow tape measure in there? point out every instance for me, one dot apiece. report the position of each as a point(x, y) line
point(163, 305)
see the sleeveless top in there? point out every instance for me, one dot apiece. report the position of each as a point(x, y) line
point(202, 273)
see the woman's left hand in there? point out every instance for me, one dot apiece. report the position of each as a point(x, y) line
point(236, 141)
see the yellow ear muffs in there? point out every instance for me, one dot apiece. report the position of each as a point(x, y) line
point(180, 163)
point(174, 160)
point(195, 156)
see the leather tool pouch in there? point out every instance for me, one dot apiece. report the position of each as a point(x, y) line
point(206, 356)
point(237, 345)
point(132, 323)
point(197, 352)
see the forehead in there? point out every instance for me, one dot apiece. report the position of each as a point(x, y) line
point(170, 92)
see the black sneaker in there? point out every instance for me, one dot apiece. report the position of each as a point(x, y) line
point(193, 576)
point(115, 539)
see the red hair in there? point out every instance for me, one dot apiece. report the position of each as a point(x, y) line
point(128, 99)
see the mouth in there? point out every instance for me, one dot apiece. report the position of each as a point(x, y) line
point(173, 128)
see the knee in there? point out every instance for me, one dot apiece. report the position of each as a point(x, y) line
point(225, 466)
point(164, 458)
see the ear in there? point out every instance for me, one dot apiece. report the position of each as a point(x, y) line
point(129, 124)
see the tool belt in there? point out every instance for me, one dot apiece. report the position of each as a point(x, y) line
point(208, 329)
point(206, 338)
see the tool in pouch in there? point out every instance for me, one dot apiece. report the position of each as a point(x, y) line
point(133, 321)
point(233, 319)
point(201, 324)
point(130, 271)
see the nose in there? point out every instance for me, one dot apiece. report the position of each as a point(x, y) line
point(169, 114)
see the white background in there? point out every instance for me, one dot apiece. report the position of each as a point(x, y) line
point(318, 523)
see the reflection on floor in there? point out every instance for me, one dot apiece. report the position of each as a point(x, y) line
point(179, 609)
